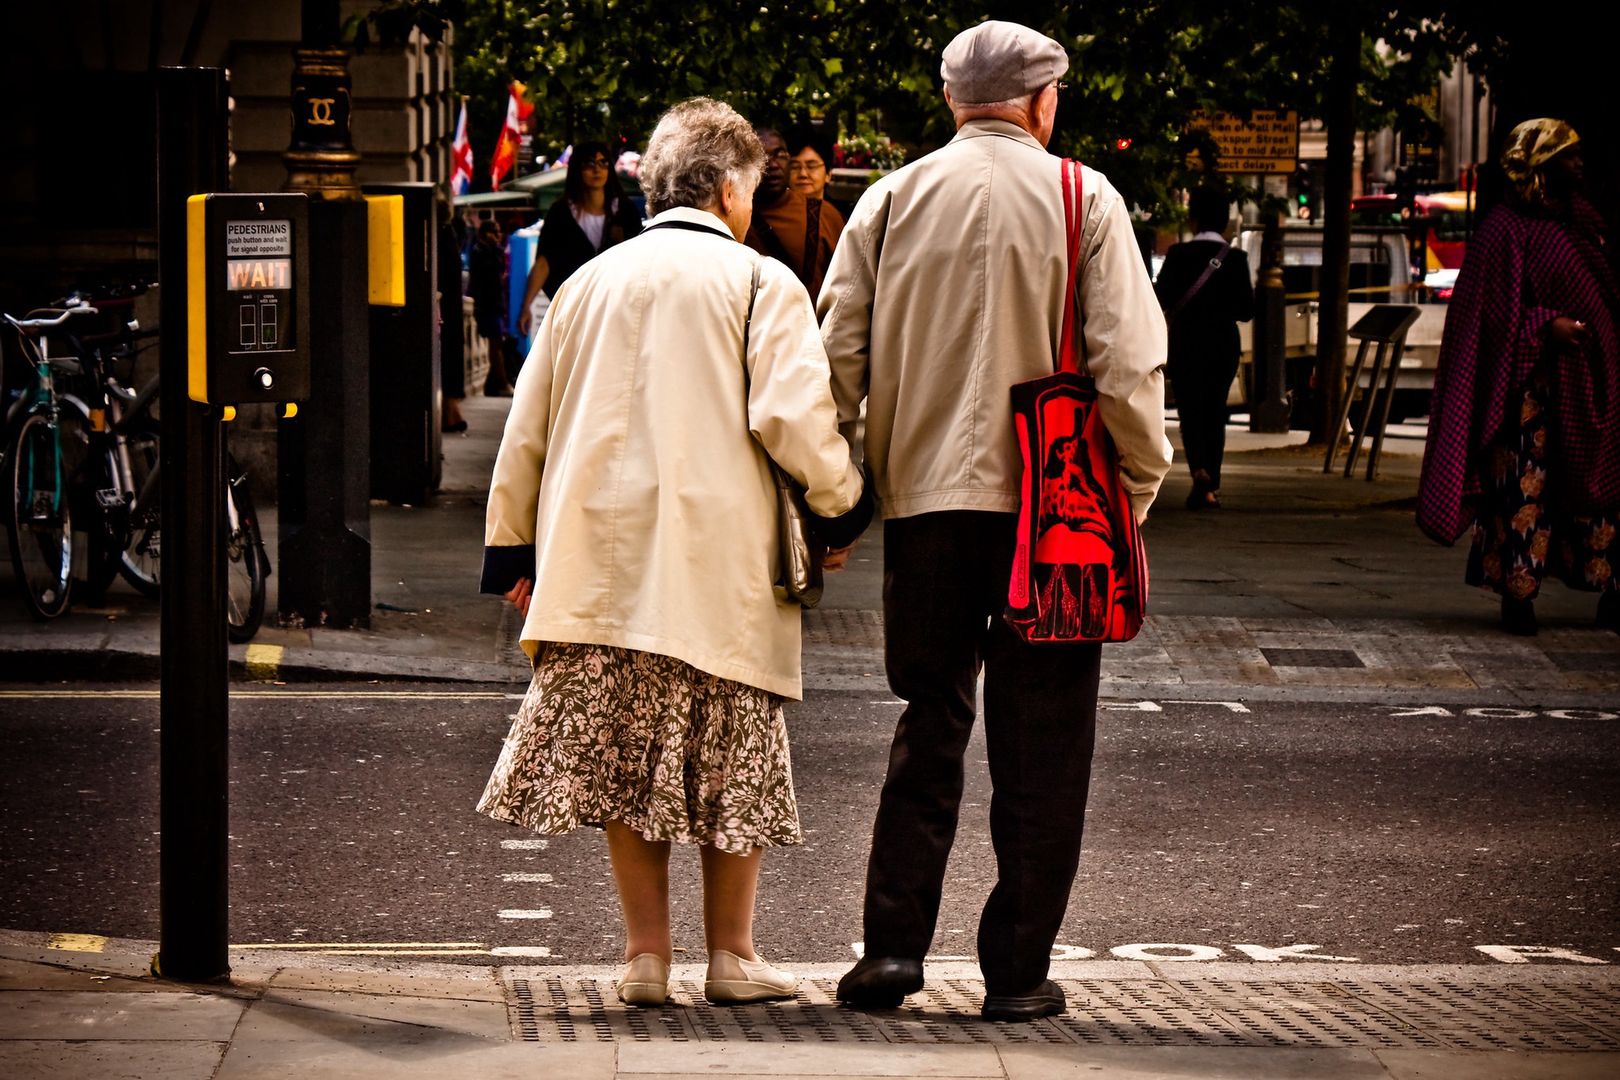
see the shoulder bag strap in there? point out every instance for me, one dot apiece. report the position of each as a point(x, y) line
point(1069, 344)
point(1203, 279)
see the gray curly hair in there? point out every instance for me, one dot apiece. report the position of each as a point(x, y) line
point(697, 146)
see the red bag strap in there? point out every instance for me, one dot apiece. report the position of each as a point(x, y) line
point(1074, 224)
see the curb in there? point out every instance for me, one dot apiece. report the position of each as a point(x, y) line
point(251, 663)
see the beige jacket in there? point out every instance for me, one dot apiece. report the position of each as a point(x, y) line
point(632, 483)
point(947, 289)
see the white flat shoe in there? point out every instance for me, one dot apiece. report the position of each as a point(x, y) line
point(731, 980)
point(645, 980)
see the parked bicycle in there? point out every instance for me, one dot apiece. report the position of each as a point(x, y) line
point(111, 476)
point(44, 445)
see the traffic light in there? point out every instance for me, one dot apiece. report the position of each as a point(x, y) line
point(1122, 144)
point(1306, 197)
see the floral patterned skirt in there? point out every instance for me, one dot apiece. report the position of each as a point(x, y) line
point(610, 734)
point(1518, 539)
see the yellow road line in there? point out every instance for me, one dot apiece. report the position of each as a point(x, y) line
point(398, 952)
point(362, 945)
point(77, 942)
point(263, 662)
point(261, 695)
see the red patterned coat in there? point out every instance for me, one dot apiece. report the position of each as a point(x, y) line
point(1524, 269)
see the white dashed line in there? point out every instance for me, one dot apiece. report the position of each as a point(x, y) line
point(538, 879)
point(524, 913)
point(524, 845)
point(533, 951)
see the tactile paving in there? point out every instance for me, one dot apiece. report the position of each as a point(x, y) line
point(1376, 1014)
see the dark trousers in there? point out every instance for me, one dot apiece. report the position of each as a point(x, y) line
point(1201, 404)
point(944, 589)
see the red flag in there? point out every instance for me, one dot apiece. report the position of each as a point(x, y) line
point(517, 110)
point(461, 157)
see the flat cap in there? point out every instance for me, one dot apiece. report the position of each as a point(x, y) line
point(999, 61)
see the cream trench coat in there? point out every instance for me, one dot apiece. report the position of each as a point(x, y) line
point(632, 484)
point(947, 289)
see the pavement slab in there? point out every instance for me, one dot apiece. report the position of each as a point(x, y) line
point(109, 1059)
point(1176, 1062)
point(113, 1014)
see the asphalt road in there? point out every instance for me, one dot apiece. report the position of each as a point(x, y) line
point(1368, 834)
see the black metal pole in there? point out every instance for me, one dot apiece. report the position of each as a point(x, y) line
point(191, 158)
point(323, 457)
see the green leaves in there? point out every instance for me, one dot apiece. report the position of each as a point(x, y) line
point(1140, 68)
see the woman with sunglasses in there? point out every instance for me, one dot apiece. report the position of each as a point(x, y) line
point(592, 216)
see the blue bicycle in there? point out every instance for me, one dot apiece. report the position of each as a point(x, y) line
point(45, 444)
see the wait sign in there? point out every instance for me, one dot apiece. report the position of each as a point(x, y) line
point(1265, 141)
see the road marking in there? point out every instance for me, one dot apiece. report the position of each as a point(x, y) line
point(524, 913)
point(538, 952)
point(1229, 706)
point(1523, 954)
point(1165, 951)
point(261, 695)
point(1493, 712)
point(306, 946)
point(77, 942)
point(524, 845)
point(1290, 952)
point(538, 879)
point(263, 662)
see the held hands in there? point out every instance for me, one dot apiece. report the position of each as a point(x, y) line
point(520, 594)
point(1568, 333)
point(836, 559)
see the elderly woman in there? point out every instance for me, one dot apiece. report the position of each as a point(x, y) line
point(632, 518)
point(1524, 439)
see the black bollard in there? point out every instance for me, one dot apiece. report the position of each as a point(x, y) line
point(194, 710)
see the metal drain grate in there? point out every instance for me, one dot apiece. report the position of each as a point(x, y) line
point(1433, 1014)
point(1320, 658)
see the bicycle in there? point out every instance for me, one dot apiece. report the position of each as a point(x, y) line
point(112, 482)
point(127, 487)
point(44, 445)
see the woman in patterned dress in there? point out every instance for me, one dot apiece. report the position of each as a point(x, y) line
point(632, 519)
point(1524, 437)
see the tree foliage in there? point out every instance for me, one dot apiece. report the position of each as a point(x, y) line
point(608, 68)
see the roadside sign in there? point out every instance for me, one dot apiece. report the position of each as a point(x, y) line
point(1265, 141)
point(248, 300)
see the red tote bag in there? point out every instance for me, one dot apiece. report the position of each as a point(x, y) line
point(1079, 570)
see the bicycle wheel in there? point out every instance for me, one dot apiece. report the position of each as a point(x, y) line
point(101, 513)
point(142, 561)
point(37, 514)
point(244, 563)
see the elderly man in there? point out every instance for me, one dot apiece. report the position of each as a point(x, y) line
point(947, 290)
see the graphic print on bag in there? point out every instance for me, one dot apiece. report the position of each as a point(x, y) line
point(1073, 552)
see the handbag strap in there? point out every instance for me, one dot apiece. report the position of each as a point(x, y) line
point(1069, 347)
point(1203, 279)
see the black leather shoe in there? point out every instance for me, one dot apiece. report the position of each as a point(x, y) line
point(880, 982)
point(1045, 1000)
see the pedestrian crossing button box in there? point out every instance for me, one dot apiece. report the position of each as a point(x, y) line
point(247, 280)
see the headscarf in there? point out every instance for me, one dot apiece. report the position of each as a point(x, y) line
point(1529, 147)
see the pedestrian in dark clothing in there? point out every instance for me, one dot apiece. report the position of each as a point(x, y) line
point(486, 281)
point(593, 215)
point(452, 351)
point(801, 232)
point(1524, 428)
point(1205, 291)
